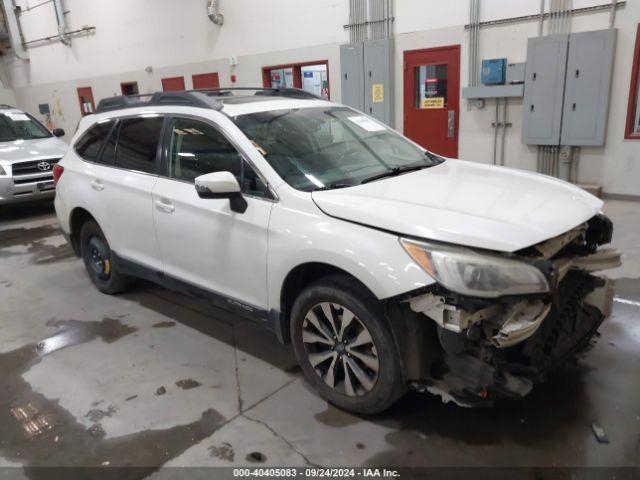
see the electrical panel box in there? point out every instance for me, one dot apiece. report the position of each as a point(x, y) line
point(494, 71)
point(515, 73)
point(588, 87)
point(378, 79)
point(367, 78)
point(544, 89)
point(352, 69)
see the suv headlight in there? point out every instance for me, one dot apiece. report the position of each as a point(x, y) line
point(470, 273)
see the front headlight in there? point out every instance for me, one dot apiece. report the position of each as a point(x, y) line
point(470, 273)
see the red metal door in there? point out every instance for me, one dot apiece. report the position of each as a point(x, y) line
point(203, 81)
point(432, 98)
point(173, 84)
point(85, 97)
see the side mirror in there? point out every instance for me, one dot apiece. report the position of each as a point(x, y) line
point(58, 132)
point(221, 185)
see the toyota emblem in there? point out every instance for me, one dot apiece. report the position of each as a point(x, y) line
point(44, 166)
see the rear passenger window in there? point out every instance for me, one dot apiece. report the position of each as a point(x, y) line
point(89, 145)
point(138, 143)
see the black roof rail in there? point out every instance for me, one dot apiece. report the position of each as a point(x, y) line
point(187, 98)
point(289, 93)
point(195, 98)
point(4, 105)
point(267, 91)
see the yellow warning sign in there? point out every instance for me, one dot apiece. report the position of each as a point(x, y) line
point(433, 102)
point(377, 93)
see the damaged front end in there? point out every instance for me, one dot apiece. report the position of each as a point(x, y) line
point(497, 342)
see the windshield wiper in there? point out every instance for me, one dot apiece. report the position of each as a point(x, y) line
point(333, 186)
point(392, 172)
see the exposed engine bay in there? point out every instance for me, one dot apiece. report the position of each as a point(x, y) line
point(494, 348)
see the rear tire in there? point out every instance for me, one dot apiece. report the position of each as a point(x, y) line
point(345, 347)
point(98, 260)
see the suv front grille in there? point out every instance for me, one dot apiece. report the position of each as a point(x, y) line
point(31, 167)
point(23, 181)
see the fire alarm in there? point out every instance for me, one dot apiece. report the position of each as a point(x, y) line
point(233, 79)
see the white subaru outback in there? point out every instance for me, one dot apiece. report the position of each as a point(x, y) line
point(385, 266)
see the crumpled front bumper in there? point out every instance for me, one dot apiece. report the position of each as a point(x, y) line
point(475, 373)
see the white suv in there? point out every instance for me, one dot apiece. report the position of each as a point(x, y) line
point(28, 152)
point(385, 266)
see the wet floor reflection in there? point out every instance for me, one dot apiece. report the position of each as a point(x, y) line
point(37, 431)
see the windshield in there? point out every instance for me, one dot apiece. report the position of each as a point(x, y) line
point(322, 148)
point(20, 126)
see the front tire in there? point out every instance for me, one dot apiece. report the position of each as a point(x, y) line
point(345, 347)
point(98, 260)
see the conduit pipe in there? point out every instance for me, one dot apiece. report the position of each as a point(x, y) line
point(213, 12)
point(62, 23)
point(14, 30)
point(612, 15)
point(541, 23)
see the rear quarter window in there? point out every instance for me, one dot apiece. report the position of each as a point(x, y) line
point(90, 144)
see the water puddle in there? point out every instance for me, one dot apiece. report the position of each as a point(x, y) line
point(34, 239)
point(36, 431)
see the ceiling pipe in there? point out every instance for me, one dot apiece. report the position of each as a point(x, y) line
point(13, 25)
point(62, 22)
point(212, 12)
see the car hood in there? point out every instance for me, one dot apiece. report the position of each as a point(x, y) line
point(21, 150)
point(465, 203)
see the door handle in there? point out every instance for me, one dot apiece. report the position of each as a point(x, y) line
point(451, 123)
point(164, 206)
point(97, 185)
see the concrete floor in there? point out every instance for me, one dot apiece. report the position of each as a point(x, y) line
point(152, 378)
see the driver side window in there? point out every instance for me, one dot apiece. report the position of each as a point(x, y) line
point(197, 148)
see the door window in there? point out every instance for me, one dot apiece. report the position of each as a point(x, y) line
point(431, 86)
point(312, 77)
point(281, 77)
point(138, 144)
point(89, 145)
point(197, 148)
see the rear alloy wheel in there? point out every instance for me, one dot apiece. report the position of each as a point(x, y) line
point(340, 349)
point(343, 343)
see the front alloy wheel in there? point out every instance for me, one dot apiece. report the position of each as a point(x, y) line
point(343, 341)
point(340, 349)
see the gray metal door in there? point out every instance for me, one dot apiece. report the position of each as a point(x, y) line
point(378, 79)
point(588, 85)
point(544, 90)
point(352, 80)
